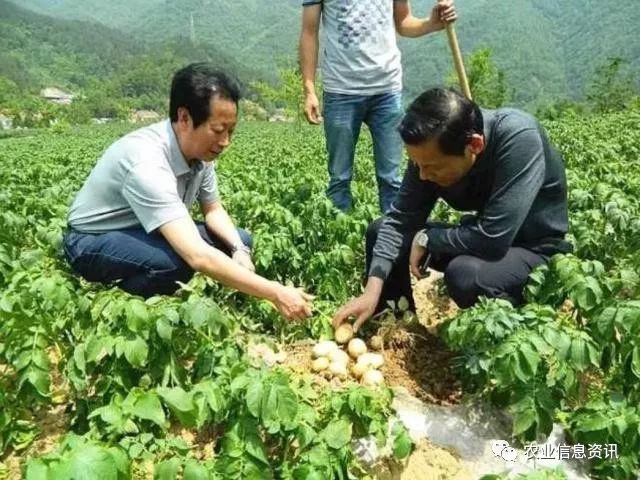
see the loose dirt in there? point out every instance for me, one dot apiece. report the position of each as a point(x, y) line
point(414, 357)
point(427, 462)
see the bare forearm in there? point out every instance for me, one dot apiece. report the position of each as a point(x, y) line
point(219, 223)
point(415, 27)
point(308, 60)
point(218, 266)
point(374, 287)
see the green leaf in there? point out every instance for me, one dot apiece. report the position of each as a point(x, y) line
point(319, 456)
point(578, 353)
point(196, 313)
point(111, 414)
point(635, 362)
point(254, 398)
point(79, 357)
point(338, 434)
point(23, 360)
point(530, 357)
point(212, 393)
point(121, 460)
point(93, 462)
point(305, 435)
point(307, 472)
point(194, 470)
point(98, 348)
point(279, 406)
point(40, 359)
point(137, 315)
point(36, 470)
point(147, 407)
point(593, 422)
point(181, 404)
point(164, 329)
point(255, 448)
point(136, 352)
point(402, 444)
point(176, 398)
point(167, 470)
point(403, 304)
point(523, 421)
point(38, 378)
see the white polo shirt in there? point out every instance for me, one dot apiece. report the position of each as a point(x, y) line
point(142, 180)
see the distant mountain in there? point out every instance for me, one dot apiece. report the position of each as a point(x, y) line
point(547, 48)
point(38, 50)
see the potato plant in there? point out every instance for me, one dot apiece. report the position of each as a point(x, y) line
point(129, 372)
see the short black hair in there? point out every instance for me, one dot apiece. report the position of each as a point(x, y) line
point(445, 114)
point(193, 87)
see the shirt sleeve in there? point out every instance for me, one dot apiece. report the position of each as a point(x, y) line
point(408, 213)
point(153, 197)
point(306, 3)
point(208, 192)
point(520, 172)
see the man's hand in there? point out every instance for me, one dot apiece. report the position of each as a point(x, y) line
point(243, 259)
point(415, 257)
point(312, 109)
point(292, 303)
point(361, 307)
point(442, 13)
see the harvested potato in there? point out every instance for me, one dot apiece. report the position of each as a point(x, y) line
point(356, 347)
point(324, 348)
point(344, 333)
point(338, 369)
point(376, 342)
point(338, 356)
point(372, 378)
point(373, 360)
point(320, 364)
point(359, 369)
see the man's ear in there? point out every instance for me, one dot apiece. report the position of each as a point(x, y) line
point(184, 118)
point(476, 144)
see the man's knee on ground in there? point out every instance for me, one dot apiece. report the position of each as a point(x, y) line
point(461, 279)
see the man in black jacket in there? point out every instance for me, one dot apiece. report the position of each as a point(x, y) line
point(497, 163)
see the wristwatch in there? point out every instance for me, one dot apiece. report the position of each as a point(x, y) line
point(240, 247)
point(422, 239)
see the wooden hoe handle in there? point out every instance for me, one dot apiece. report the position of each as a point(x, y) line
point(457, 59)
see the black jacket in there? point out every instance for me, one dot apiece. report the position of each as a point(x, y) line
point(517, 187)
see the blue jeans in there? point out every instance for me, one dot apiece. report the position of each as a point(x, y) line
point(343, 118)
point(138, 262)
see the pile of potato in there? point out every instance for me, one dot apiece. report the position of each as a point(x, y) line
point(334, 362)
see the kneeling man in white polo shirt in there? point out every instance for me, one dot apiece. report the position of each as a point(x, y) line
point(130, 222)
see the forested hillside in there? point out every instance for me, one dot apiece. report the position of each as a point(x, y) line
point(548, 49)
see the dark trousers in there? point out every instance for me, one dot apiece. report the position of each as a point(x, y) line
point(466, 277)
point(141, 263)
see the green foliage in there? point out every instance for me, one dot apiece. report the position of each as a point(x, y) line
point(287, 95)
point(613, 87)
point(544, 47)
point(486, 81)
point(572, 354)
point(135, 370)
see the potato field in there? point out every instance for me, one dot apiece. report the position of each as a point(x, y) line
point(98, 384)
